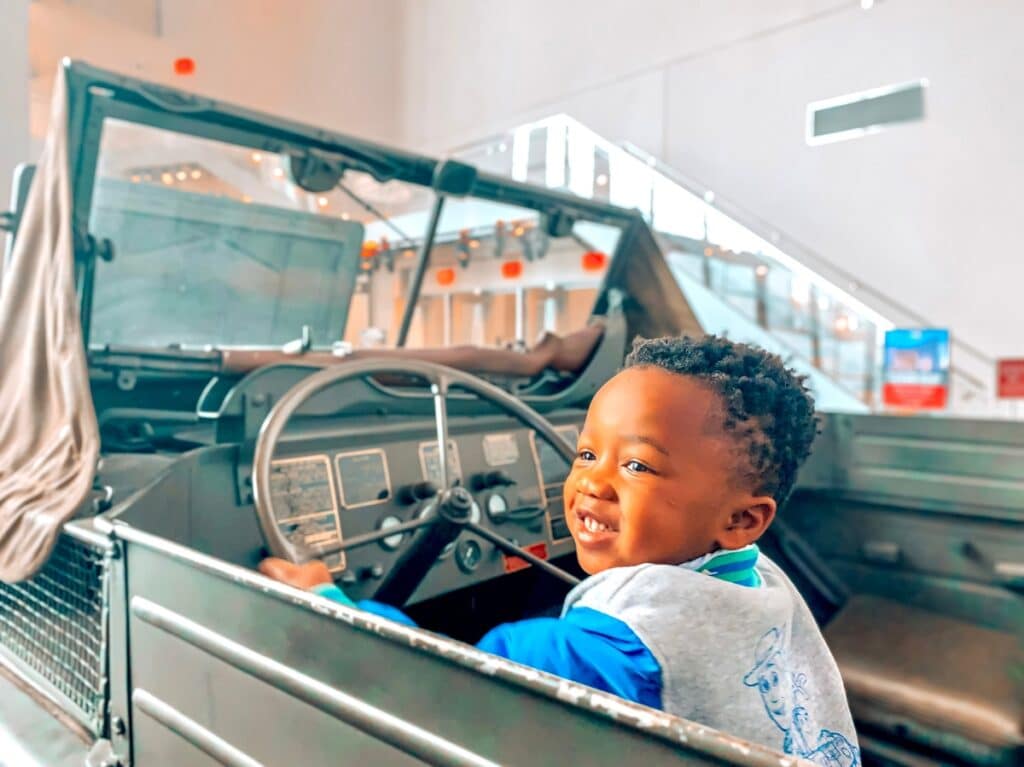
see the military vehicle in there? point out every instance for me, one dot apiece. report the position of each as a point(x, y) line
point(231, 267)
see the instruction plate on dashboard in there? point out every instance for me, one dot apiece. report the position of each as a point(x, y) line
point(363, 478)
point(501, 449)
point(302, 493)
point(431, 463)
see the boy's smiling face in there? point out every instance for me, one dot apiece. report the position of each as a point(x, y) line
point(656, 477)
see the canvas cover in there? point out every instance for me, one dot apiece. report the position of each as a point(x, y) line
point(49, 440)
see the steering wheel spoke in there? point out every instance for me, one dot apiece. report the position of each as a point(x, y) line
point(439, 391)
point(518, 551)
point(377, 535)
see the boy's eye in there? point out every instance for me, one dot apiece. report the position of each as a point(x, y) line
point(636, 466)
point(585, 455)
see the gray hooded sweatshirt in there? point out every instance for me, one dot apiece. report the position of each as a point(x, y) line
point(749, 661)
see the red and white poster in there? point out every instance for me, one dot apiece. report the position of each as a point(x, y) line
point(916, 375)
point(1010, 379)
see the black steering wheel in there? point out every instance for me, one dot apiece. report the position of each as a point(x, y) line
point(453, 504)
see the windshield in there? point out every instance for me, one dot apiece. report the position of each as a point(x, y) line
point(214, 245)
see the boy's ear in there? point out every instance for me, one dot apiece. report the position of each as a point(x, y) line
point(747, 524)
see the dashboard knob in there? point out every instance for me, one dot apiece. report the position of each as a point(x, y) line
point(416, 492)
point(488, 479)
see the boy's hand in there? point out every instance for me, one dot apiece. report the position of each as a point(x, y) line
point(300, 576)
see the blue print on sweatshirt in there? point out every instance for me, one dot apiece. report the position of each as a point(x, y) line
point(782, 691)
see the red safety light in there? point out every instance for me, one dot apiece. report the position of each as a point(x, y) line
point(446, 276)
point(370, 248)
point(594, 261)
point(184, 66)
point(511, 270)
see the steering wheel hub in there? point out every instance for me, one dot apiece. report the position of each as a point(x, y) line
point(456, 505)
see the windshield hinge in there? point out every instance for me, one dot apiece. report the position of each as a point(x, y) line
point(90, 247)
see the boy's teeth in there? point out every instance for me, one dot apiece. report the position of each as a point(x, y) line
point(594, 526)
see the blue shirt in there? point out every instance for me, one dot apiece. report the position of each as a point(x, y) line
point(584, 645)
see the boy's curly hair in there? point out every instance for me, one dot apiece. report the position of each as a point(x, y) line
point(767, 406)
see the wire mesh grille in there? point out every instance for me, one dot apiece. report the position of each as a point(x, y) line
point(55, 624)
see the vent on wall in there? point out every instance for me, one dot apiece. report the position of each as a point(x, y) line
point(859, 114)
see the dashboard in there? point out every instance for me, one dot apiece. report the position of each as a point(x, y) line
point(325, 490)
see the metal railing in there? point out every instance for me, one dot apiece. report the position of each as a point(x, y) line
point(832, 320)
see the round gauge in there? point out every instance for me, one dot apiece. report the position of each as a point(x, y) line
point(497, 506)
point(392, 542)
point(468, 556)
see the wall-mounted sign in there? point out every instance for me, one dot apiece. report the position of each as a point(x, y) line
point(1010, 379)
point(916, 375)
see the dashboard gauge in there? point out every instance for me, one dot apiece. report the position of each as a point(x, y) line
point(468, 556)
point(392, 542)
point(497, 506)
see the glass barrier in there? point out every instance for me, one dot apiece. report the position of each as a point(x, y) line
point(814, 317)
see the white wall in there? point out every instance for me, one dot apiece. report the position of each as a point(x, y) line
point(14, 74)
point(926, 213)
point(470, 65)
point(332, 63)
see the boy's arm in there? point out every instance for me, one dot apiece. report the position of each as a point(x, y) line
point(314, 576)
point(585, 646)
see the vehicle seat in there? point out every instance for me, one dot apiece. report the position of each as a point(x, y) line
point(932, 681)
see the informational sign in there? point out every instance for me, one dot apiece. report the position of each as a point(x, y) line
point(916, 373)
point(1010, 379)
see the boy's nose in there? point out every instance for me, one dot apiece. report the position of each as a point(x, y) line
point(593, 482)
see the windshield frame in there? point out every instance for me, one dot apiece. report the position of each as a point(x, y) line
point(96, 95)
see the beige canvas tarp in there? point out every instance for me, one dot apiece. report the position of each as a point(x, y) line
point(49, 441)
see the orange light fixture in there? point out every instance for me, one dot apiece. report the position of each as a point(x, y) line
point(184, 66)
point(594, 261)
point(446, 276)
point(512, 270)
point(370, 248)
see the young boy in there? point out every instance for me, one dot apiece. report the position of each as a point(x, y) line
point(683, 460)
